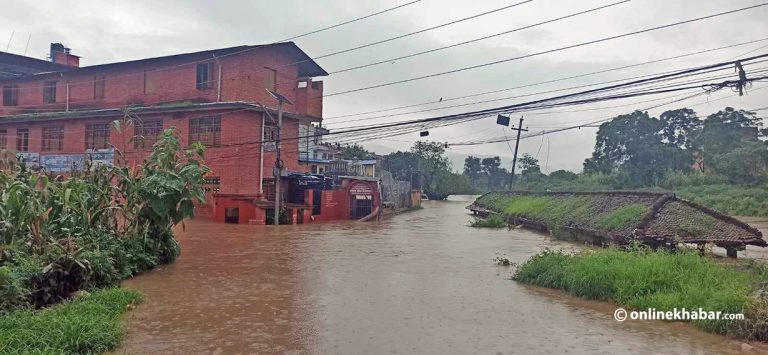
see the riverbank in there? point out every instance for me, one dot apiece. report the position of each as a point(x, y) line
point(87, 324)
point(642, 279)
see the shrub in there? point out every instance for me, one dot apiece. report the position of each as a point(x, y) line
point(98, 226)
point(87, 325)
point(642, 279)
point(12, 291)
point(492, 221)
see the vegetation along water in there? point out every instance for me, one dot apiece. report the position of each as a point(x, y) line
point(65, 244)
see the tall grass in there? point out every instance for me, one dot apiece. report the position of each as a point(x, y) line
point(622, 217)
point(90, 325)
point(492, 221)
point(710, 190)
point(643, 279)
point(732, 200)
point(558, 211)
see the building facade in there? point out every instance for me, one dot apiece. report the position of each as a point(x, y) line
point(55, 114)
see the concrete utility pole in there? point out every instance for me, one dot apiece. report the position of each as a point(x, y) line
point(278, 170)
point(519, 129)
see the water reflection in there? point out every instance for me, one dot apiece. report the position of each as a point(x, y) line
point(420, 282)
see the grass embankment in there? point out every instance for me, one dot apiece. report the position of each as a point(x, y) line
point(558, 211)
point(732, 200)
point(89, 324)
point(642, 279)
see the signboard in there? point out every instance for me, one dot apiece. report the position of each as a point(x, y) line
point(327, 198)
point(30, 159)
point(360, 189)
point(99, 157)
point(62, 162)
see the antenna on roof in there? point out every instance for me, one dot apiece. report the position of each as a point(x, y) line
point(8, 47)
point(27, 46)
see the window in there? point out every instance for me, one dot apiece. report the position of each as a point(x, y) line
point(3, 138)
point(203, 79)
point(270, 79)
point(212, 184)
point(10, 95)
point(146, 81)
point(49, 92)
point(270, 136)
point(99, 84)
point(206, 130)
point(146, 133)
point(53, 138)
point(97, 136)
point(22, 140)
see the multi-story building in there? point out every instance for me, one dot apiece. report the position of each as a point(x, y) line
point(56, 114)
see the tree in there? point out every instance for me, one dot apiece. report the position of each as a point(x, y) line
point(729, 143)
point(631, 144)
point(564, 175)
point(493, 172)
point(529, 165)
point(678, 126)
point(401, 164)
point(427, 159)
point(745, 164)
point(724, 130)
point(355, 152)
point(473, 168)
point(449, 183)
point(431, 160)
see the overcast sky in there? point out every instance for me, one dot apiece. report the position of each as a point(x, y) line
point(137, 29)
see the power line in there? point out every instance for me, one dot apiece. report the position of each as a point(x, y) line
point(558, 100)
point(477, 39)
point(407, 34)
point(348, 22)
point(550, 81)
point(501, 99)
point(251, 48)
point(539, 53)
point(488, 112)
point(604, 119)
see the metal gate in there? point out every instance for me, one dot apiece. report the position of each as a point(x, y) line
point(361, 206)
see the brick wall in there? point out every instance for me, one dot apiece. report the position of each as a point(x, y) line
point(236, 161)
point(243, 78)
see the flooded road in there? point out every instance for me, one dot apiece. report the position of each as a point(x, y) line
point(421, 282)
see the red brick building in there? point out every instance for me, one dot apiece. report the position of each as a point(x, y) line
point(55, 112)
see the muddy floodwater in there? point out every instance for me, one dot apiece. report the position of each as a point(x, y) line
point(421, 282)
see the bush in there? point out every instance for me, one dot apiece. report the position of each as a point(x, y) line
point(642, 279)
point(87, 325)
point(97, 227)
point(492, 221)
point(12, 291)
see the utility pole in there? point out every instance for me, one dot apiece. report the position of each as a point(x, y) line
point(277, 172)
point(519, 129)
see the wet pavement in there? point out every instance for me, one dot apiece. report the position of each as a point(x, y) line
point(421, 282)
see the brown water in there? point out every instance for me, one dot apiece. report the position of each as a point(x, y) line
point(421, 282)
